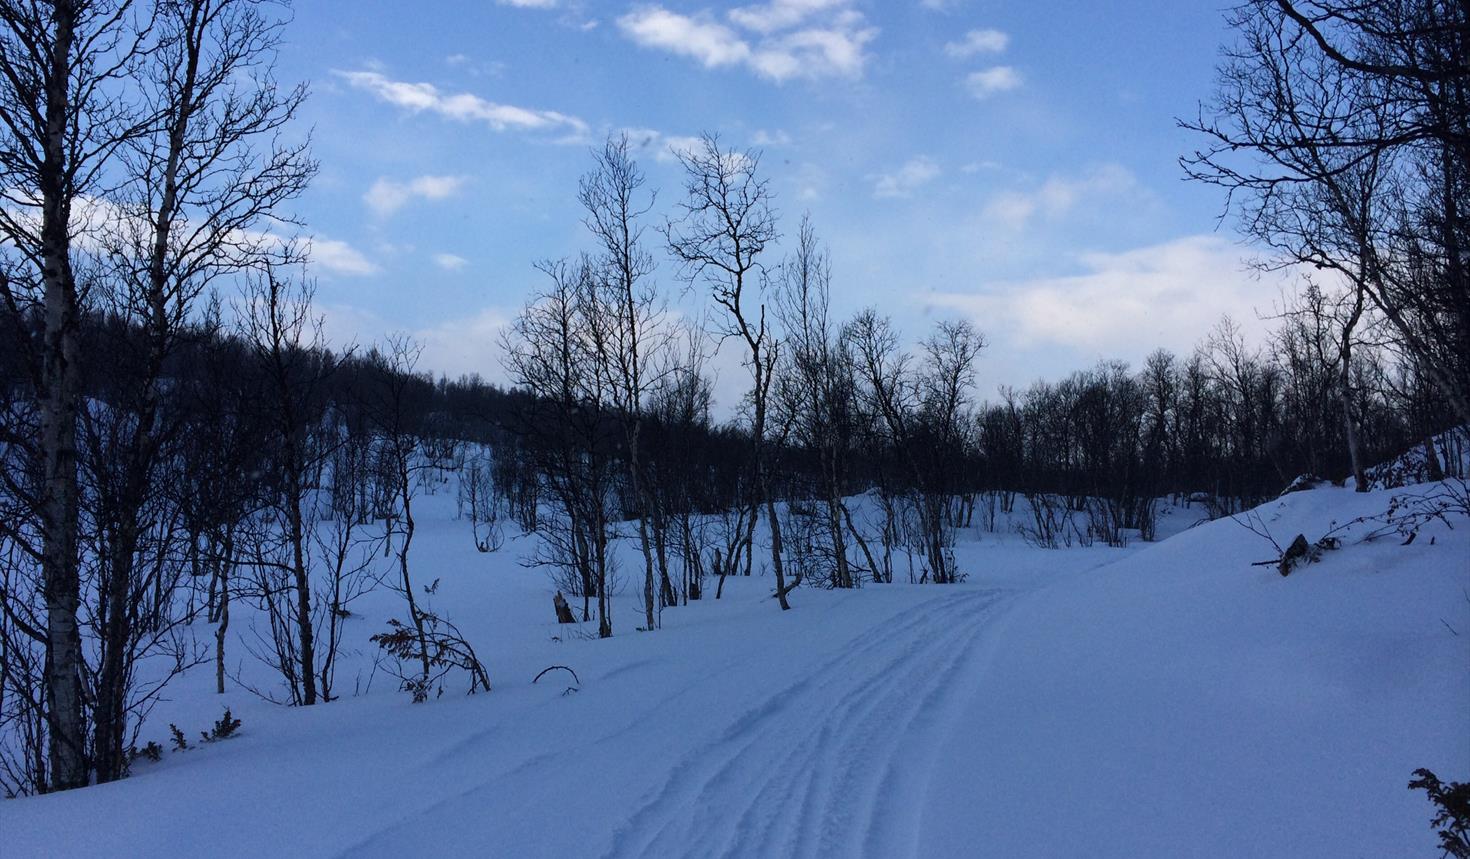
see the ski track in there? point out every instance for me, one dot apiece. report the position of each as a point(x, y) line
point(822, 766)
point(802, 771)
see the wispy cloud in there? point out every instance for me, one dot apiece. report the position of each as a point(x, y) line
point(978, 42)
point(915, 173)
point(780, 40)
point(664, 147)
point(450, 262)
point(469, 65)
point(1164, 295)
point(996, 79)
point(465, 344)
point(573, 12)
point(1059, 195)
point(770, 138)
point(387, 196)
point(781, 14)
point(459, 344)
point(461, 106)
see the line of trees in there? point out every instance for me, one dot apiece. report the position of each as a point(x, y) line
point(838, 409)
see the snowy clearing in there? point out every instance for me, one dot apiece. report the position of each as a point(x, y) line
point(1166, 699)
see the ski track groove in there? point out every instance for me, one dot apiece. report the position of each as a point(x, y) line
point(741, 734)
point(756, 790)
point(802, 771)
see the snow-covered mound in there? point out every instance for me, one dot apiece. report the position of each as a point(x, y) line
point(1169, 699)
point(1451, 454)
point(1183, 702)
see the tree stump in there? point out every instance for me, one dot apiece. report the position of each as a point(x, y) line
point(563, 611)
point(1298, 553)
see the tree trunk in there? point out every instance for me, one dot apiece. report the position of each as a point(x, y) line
point(110, 715)
point(223, 628)
point(1345, 392)
point(59, 404)
point(781, 588)
point(302, 574)
point(563, 610)
point(405, 487)
point(1432, 467)
point(842, 571)
point(661, 555)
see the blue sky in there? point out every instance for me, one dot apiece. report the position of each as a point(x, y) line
point(1011, 162)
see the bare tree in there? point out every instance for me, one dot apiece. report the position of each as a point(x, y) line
point(199, 187)
point(629, 334)
point(679, 410)
point(286, 343)
point(477, 492)
point(62, 119)
point(345, 547)
point(1342, 132)
point(394, 405)
point(222, 450)
point(725, 224)
point(550, 351)
point(924, 412)
point(815, 386)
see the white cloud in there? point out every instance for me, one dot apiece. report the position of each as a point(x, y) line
point(473, 67)
point(387, 196)
point(770, 138)
point(452, 347)
point(1058, 196)
point(1122, 304)
point(465, 345)
point(529, 4)
point(978, 42)
point(676, 145)
point(996, 79)
point(711, 43)
point(816, 52)
point(338, 257)
point(665, 147)
point(810, 39)
point(914, 173)
point(463, 107)
point(780, 14)
point(450, 262)
point(96, 222)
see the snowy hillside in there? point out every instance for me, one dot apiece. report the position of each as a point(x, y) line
point(1165, 699)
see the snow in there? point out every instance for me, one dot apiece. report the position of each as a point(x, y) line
point(1182, 702)
point(1161, 699)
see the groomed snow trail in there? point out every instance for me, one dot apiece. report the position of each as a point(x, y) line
point(824, 766)
point(817, 740)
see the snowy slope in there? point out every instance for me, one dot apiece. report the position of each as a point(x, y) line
point(1160, 700)
point(1183, 702)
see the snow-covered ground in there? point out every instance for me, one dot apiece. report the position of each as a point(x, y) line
point(1165, 699)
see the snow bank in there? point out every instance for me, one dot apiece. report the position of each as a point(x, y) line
point(1182, 702)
